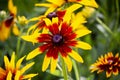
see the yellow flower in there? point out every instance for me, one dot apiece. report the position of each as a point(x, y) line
point(60, 39)
point(22, 20)
point(12, 72)
point(108, 63)
point(53, 4)
point(5, 26)
point(87, 11)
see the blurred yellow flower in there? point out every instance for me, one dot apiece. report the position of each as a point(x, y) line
point(6, 25)
point(87, 11)
point(15, 72)
point(22, 20)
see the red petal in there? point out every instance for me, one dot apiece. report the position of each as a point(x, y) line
point(52, 52)
point(70, 37)
point(64, 50)
point(71, 43)
point(44, 38)
point(65, 29)
point(45, 47)
point(41, 24)
point(54, 29)
point(61, 14)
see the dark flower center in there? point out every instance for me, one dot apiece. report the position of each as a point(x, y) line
point(57, 38)
point(51, 15)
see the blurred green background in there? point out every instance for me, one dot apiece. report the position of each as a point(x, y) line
point(102, 39)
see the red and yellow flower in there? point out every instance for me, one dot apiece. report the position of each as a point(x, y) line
point(6, 25)
point(60, 39)
point(12, 72)
point(108, 63)
point(41, 19)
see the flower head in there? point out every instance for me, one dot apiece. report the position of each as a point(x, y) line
point(22, 20)
point(41, 21)
point(51, 14)
point(5, 26)
point(108, 63)
point(12, 72)
point(60, 39)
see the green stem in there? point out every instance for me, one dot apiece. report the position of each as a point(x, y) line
point(18, 45)
point(18, 42)
point(104, 25)
point(117, 17)
point(76, 70)
point(64, 69)
point(22, 48)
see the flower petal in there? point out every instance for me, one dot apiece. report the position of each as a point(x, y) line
point(17, 76)
point(78, 19)
point(54, 20)
point(16, 30)
point(117, 55)
point(83, 45)
point(26, 67)
point(73, 7)
point(9, 76)
point(7, 63)
point(11, 7)
point(68, 62)
point(46, 63)
point(115, 71)
point(29, 76)
point(57, 2)
point(69, 11)
point(32, 28)
point(50, 9)
point(19, 62)
point(2, 72)
point(91, 3)
point(4, 32)
point(47, 21)
point(12, 62)
point(36, 18)
point(82, 32)
point(108, 73)
point(31, 38)
point(33, 53)
point(76, 56)
point(43, 4)
point(53, 64)
point(45, 31)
